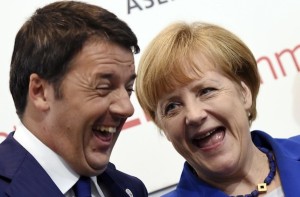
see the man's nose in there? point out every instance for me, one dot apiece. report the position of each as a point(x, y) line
point(122, 106)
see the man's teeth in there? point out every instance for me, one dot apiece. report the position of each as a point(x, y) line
point(106, 129)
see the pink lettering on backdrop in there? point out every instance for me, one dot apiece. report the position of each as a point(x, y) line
point(284, 58)
point(3, 134)
point(131, 123)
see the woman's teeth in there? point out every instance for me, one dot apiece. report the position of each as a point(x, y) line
point(205, 135)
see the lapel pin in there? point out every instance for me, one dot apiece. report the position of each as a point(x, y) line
point(129, 192)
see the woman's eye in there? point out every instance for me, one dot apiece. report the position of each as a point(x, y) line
point(206, 91)
point(169, 107)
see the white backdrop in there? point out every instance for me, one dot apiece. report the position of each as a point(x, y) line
point(270, 28)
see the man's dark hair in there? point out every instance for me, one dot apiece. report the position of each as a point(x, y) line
point(48, 41)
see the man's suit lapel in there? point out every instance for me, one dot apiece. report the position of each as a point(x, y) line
point(28, 178)
point(111, 185)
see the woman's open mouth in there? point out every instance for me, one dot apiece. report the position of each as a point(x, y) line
point(210, 139)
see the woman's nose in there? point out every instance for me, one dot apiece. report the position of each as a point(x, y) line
point(195, 113)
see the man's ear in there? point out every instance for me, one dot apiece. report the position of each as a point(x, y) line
point(247, 96)
point(37, 92)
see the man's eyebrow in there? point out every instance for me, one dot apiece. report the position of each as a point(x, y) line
point(111, 75)
point(104, 75)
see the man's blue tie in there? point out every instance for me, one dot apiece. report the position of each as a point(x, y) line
point(83, 187)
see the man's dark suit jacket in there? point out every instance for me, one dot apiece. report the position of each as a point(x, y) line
point(22, 176)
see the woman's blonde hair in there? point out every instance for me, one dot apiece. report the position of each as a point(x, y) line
point(162, 65)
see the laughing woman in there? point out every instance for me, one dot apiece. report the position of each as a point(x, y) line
point(199, 82)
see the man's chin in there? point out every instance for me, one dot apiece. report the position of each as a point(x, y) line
point(98, 168)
